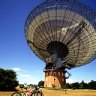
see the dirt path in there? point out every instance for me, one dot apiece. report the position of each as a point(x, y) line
point(5, 93)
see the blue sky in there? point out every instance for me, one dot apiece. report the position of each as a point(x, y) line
point(15, 53)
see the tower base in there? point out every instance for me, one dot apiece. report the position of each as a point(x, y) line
point(54, 78)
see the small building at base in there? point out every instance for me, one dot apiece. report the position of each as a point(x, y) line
point(54, 78)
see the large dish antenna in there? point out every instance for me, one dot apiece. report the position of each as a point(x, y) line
point(64, 27)
point(62, 33)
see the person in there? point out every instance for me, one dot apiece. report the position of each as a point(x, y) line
point(38, 90)
point(36, 87)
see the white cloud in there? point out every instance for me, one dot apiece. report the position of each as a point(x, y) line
point(70, 80)
point(16, 69)
point(24, 78)
point(25, 75)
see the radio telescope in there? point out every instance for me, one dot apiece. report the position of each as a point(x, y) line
point(63, 34)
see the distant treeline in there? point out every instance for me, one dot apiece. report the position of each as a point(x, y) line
point(76, 85)
point(82, 85)
point(8, 80)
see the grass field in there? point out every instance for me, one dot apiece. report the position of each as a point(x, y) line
point(60, 93)
point(69, 92)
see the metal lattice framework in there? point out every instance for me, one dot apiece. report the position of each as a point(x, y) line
point(69, 23)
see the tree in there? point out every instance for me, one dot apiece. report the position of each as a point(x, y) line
point(41, 83)
point(31, 86)
point(68, 86)
point(8, 80)
point(75, 85)
point(92, 85)
point(83, 85)
point(21, 85)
